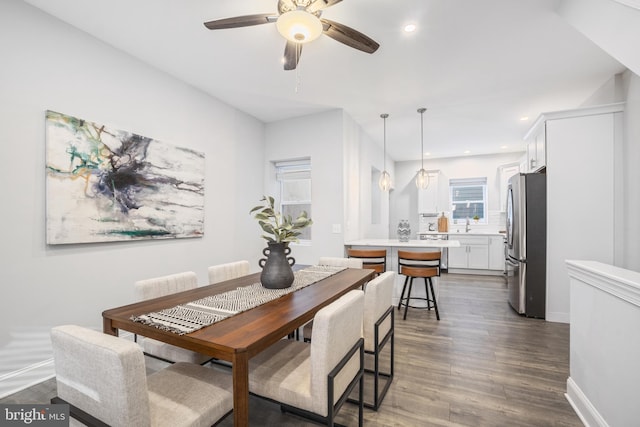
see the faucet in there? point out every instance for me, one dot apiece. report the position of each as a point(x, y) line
point(466, 227)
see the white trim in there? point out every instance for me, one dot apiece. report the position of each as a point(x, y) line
point(578, 112)
point(26, 377)
point(630, 3)
point(557, 316)
point(20, 379)
point(621, 283)
point(587, 413)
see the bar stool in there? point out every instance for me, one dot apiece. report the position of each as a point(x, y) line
point(413, 265)
point(374, 259)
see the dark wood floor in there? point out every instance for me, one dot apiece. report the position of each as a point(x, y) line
point(480, 365)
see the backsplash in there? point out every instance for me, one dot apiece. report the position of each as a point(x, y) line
point(496, 222)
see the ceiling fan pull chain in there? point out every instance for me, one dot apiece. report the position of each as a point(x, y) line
point(298, 78)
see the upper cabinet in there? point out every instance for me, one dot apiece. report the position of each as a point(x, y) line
point(536, 140)
point(429, 198)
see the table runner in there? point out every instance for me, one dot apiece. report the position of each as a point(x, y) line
point(189, 317)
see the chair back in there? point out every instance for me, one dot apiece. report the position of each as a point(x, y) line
point(102, 375)
point(378, 296)
point(340, 262)
point(231, 270)
point(165, 285)
point(375, 259)
point(419, 264)
point(336, 329)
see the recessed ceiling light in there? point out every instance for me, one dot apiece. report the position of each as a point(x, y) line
point(504, 147)
point(467, 152)
point(524, 118)
point(427, 154)
point(410, 28)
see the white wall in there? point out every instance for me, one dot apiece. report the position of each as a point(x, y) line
point(631, 190)
point(404, 198)
point(352, 135)
point(371, 157)
point(604, 381)
point(616, 28)
point(320, 137)
point(609, 24)
point(47, 64)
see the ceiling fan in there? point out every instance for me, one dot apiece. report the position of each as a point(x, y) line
point(299, 22)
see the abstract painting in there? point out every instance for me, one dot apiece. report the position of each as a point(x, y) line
point(106, 185)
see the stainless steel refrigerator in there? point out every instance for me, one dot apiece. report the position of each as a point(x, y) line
point(526, 245)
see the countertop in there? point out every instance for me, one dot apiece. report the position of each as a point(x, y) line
point(470, 233)
point(409, 244)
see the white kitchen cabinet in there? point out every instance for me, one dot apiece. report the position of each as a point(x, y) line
point(536, 141)
point(458, 257)
point(584, 195)
point(428, 197)
point(478, 256)
point(473, 253)
point(496, 253)
point(541, 149)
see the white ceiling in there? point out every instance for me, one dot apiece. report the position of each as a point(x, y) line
point(476, 65)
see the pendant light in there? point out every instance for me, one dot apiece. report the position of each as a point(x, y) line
point(385, 179)
point(422, 178)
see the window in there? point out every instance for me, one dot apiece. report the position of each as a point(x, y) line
point(469, 199)
point(294, 179)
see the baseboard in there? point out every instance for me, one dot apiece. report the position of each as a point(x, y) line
point(18, 380)
point(476, 272)
point(26, 377)
point(557, 317)
point(587, 413)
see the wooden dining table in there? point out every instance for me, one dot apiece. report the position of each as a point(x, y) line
point(240, 337)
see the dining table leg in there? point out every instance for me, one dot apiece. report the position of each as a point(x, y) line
point(240, 371)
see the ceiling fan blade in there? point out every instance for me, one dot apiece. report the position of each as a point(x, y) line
point(321, 4)
point(349, 36)
point(292, 52)
point(241, 21)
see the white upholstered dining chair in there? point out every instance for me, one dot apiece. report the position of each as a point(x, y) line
point(104, 380)
point(231, 270)
point(307, 329)
point(158, 287)
point(340, 262)
point(378, 327)
point(314, 380)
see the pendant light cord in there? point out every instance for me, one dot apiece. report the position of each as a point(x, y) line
point(385, 179)
point(384, 141)
point(421, 111)
point(298, 78)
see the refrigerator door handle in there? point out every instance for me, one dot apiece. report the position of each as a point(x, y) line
point(511, 262)
point(514, 261)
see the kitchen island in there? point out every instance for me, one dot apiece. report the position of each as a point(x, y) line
point(395, 243)
point(392, 246)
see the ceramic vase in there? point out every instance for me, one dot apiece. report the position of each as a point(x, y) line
point(404, 230)
point(276, 267)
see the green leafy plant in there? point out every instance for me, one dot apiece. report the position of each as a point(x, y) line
point(279, 228)
point(476, 218)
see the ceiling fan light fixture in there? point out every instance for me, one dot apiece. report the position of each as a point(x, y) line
point(299, 26)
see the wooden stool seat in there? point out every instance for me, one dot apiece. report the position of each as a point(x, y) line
point(413, 265)
point(373, 259)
